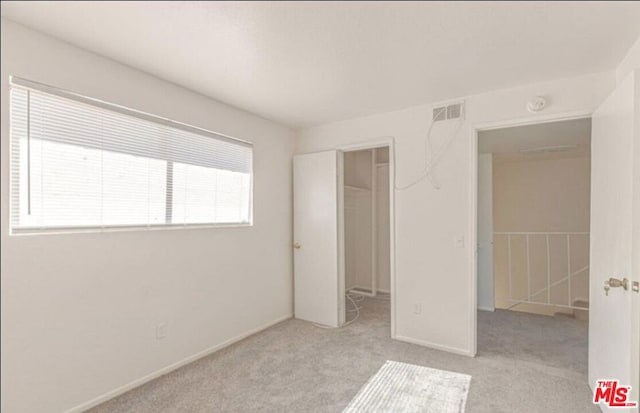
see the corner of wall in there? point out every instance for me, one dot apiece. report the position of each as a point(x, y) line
point(630, 62)
point(190, 281)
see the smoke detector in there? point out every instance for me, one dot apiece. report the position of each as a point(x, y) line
point(536, 104)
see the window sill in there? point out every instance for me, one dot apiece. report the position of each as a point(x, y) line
point(122, 228)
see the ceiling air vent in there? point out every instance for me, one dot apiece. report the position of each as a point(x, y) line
point(440, 113)
point(453, 111)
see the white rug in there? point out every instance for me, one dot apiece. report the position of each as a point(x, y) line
point(407, 388)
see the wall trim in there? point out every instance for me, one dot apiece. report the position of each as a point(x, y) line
point(486, 308)
point(434, 346)
point(168, 369)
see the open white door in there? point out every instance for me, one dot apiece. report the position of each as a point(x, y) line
point(317, 214)
point(613, 325)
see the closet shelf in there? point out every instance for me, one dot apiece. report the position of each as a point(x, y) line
point(357, 188)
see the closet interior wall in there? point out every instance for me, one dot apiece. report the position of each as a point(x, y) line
point(366, 180)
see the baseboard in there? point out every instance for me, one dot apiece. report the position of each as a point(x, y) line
point(435, 346)
point(360, 291)
point(138, 382)
point(487, 309)
point(364, 290)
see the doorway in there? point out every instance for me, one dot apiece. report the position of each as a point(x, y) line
point(321, 228)
point(367, 231)
point(533, 223)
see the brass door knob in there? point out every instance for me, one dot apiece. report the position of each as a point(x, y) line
point(614, 283)
point(296, 245)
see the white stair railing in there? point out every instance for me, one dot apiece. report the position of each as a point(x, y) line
point(549, 284)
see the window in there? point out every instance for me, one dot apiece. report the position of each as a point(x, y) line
point(81, 163)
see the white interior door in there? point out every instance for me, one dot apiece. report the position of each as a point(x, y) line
point(613, 326)
point(318, 211)
point(485, 232)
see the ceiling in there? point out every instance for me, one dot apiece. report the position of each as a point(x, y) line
point(306, 63)
point(569, 138)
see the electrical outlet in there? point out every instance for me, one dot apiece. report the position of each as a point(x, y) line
point(417, 308)
point(161, 331)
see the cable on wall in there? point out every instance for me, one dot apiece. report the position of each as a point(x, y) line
point(432, 157)
point(354, 298)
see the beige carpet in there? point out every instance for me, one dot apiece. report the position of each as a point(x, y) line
point(525, 363)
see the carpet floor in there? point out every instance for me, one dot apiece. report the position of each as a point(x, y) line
point(525, 363)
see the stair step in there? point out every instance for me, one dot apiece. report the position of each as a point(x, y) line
point(581, 303)
point(583, 312)
point(559, 314)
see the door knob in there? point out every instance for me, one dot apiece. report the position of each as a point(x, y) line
point(614, 283)
point(296, 245)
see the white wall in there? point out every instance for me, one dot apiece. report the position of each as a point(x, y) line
point(359, 251)
point(629, 63)
point(485, 232)
point(357, 220)
point(430, 270)
point(541, 193)
point(383, 236)
point(358, 172)
point(79, 310)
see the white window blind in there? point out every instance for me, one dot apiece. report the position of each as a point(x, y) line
point(80, 163)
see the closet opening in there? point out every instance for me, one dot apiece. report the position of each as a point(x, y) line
point(367, 234)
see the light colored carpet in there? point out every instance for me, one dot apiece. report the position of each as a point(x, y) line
point(525, 363)
point(407, 388)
